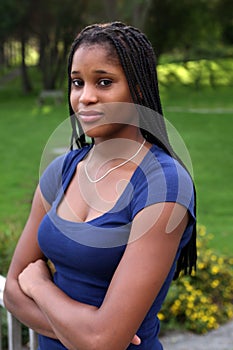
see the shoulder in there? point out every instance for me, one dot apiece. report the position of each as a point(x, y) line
point(58, 170)
point(160, 163)
point(58, 164)
point(161, 178)
point(72, 159)
point(77, 154)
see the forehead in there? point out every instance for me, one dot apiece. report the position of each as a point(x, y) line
point(104, 53)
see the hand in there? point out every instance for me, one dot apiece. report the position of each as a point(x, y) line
point(136, 340)
point(38, 272)
point(33, 275)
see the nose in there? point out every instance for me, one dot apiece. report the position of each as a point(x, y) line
point(88, 95)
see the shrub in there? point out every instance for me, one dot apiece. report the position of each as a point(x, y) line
point(9, 235)
point(203, 301)
point(197, 73)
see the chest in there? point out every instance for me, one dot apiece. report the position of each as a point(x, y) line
point(82, 249)
point(84, 201)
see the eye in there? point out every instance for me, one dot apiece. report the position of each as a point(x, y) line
point(77, 82)
point(105, 82)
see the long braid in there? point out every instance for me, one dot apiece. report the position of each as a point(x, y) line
point(138, 61)
point(148, 92)
point(75, 138)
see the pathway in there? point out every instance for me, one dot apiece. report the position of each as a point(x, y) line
point(219, 339)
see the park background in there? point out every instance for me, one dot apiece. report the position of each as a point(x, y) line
point(193, 43)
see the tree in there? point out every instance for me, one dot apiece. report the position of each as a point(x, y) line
point(15, 25)
point(181, 24)
point(23, 25)
point(52, 24)
point(55, 25)
point(7, 25)
point(134, 12)
point(223, 13)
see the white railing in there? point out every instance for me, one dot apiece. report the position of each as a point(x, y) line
point(14, 327)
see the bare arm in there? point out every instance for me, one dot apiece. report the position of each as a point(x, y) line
point(139, 277)
point(27, 250)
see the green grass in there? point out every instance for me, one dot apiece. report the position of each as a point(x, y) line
point(207, 134)
point(25, 129)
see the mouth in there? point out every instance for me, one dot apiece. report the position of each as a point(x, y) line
point(90, 116)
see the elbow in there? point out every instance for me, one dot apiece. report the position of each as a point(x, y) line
point(9, 297)
point(98, 342)
point(101, 341)
point(6, 296)
point(91, 341)
point(102, 337)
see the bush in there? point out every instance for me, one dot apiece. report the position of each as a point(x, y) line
point(213, 73)
point(203, 301)
point(9, 235)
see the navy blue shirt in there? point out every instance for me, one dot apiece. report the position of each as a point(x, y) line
point(86, 254)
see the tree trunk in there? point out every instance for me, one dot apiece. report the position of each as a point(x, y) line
point(26, 84)
point(2, 54)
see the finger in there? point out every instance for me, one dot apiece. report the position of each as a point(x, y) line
point(136, 340)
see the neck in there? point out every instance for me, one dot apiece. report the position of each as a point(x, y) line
point(117, 146)
point(110, 159)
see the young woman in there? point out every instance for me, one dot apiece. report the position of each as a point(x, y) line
point(116, 217)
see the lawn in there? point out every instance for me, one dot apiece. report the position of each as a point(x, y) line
point(25, 129)
point(204, 119)
point(201, 116)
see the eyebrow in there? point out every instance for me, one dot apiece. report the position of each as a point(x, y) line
point(98, 71)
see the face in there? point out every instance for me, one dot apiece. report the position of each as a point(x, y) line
point(100, 96)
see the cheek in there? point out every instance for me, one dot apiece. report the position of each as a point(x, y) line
point(122, 113)
point(122, 95)
point(128, 97)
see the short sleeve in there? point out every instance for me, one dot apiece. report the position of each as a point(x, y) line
point(162, 180)
point(51, 179)
point(59, 173)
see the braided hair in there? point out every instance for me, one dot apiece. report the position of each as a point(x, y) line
point(137, 58)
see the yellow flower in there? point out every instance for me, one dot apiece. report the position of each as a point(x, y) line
point(203, 299)
point(198, 292)
point(200, 265)
point(182, 297)
point(215, 283)
point(190, 305)
point(229, 311)
point(220, 261)
point(161, 316)
point(213, 257)
point(215, 269)
point(175, 307)
point(201, 230)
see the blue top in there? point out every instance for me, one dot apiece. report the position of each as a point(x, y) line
point(86, 254)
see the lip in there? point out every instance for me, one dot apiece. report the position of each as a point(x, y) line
point(90, 116)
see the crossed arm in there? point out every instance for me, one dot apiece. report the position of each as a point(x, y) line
point(155, 236)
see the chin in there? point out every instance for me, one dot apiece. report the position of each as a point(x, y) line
point(104, 131)
point(95, 132)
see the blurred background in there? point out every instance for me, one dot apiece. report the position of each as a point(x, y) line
point(193, 43)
